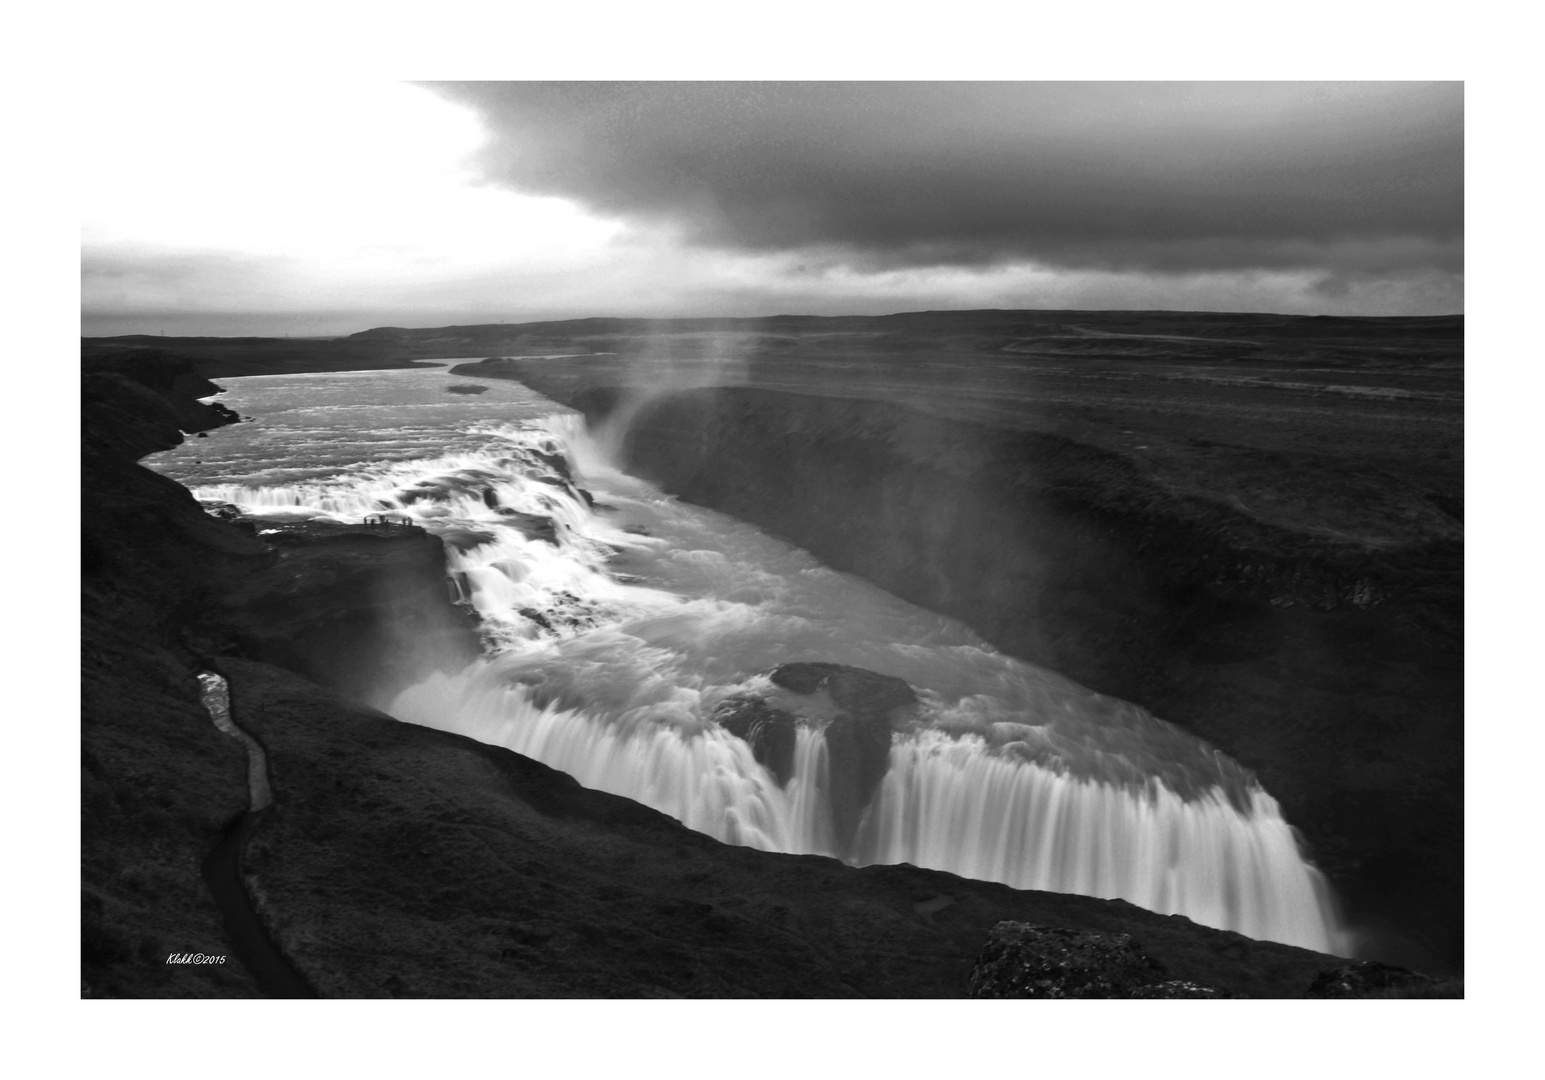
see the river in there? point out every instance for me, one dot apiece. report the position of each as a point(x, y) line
point(616, 620)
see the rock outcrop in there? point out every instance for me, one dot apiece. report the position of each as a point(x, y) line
point(364, 611)
point(1369, 979)
point(855, 709)
point(1021, 960)
point(768, 730)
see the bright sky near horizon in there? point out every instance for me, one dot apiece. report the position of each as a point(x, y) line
point(290, 207)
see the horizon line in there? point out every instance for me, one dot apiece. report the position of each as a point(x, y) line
point(765, 318)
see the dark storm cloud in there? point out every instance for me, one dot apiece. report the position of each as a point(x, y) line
point(1360, 179)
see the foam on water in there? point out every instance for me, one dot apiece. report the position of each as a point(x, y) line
point(613, 631)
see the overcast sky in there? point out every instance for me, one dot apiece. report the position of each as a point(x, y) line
point(275, 208)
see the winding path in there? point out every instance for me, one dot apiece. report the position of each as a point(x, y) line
point(275, 975)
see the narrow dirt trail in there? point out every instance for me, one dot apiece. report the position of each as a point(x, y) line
point(272, 971)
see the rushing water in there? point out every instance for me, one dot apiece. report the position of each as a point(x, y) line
point(616, 619)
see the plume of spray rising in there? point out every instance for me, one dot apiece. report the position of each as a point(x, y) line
point(667, 362)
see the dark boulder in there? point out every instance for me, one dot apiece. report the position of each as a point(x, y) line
point(852, 688)
point(858, 748)
point(222, 510)
point(858, 741)
point(537, 617)
point(769, 732)
point(1021, 960)
point(532, 526)
point(555, 461)
point(565, 486)
point(858, 738)
point(465, 539)
point(1365, 979)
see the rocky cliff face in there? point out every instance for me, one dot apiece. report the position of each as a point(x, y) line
point(167, 591)
point(858, 738)
point(363, 611)
point(1330, 667)
point(158, 782)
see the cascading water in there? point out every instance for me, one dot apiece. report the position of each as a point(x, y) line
point(617, 622)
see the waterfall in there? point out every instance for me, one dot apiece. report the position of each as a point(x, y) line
point(946, 803)
point(949, 804)
point(616, 621)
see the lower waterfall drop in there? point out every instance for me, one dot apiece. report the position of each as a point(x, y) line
point(616, 620)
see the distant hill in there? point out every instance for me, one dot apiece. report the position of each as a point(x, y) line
point(1178, 336)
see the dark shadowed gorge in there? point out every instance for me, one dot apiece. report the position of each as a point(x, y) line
point(1251, 525)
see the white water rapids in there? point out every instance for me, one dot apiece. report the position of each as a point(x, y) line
point(611, 633)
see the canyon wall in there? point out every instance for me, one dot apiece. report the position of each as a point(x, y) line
point(1331, 668)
